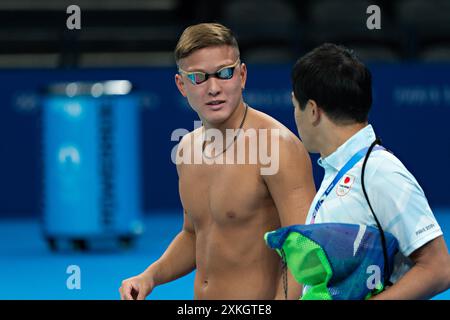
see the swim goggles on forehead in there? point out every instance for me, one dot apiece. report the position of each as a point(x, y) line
point(198, 77)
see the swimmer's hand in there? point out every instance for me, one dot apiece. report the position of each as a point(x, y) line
point(136, 288)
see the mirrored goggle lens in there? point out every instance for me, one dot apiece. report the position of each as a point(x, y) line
point(226, 73)
point(200, 77)
point(197, 77)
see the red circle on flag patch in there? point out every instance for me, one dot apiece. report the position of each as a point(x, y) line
point(347, 180)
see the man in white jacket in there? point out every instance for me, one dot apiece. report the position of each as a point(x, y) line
point(332, 96)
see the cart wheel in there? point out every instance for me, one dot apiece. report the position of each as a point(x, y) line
point(79, 244)
point(52, 244)
point(126, 242)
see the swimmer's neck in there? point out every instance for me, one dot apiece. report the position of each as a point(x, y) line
point(232, 122)
point(335, 136)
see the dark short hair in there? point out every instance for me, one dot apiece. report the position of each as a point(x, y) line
point(336, 80)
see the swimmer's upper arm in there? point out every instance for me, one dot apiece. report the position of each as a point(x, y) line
point(292, 185)
point(188, 226)
point(181, 147)
point(187, 223)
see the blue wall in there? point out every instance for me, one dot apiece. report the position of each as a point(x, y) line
point(411, 113)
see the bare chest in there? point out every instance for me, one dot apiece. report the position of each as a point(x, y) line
point(222, 194)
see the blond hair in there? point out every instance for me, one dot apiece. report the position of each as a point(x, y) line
point(203, 35)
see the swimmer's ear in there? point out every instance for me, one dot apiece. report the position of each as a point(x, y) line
point(180, 84)
point(243, 73)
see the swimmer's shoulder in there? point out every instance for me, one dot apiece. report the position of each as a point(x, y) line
point(262, 120)
point(290, 148)
point(186, 145)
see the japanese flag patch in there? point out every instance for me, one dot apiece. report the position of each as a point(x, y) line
point(345, 184)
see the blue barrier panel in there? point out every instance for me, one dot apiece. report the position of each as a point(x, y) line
point(410, 113)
